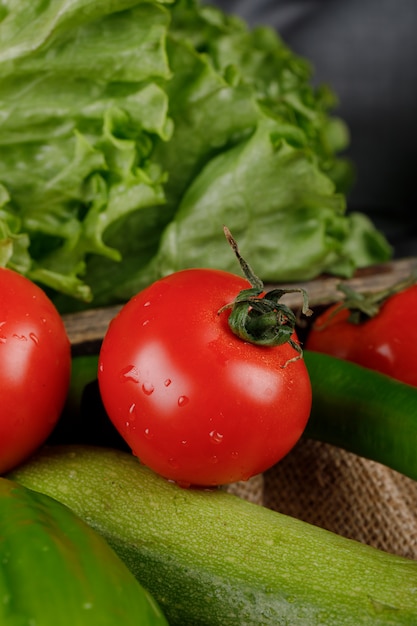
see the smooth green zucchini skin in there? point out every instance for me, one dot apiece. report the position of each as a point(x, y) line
point(363, 411)
point(212, 559)
point(56, 571)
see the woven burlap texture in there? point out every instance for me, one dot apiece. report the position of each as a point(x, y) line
point(341, 492)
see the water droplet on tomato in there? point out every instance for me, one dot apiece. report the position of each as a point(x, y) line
point(3, 339)
point(173, 463)
point(183, 400)
point(20, 337)
point(148, 389)
point(215, 436)
point(132, 411)
point(147, 303)
point(148, 433)
point(145, 323)
point(214, 459)
point(129, 373)
point(167, 382)
point(34, 338)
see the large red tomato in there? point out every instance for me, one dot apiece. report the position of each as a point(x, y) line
point(385, 342)
point(35, 366)
point(195, 402)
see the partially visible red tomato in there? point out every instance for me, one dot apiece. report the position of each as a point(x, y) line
point(386, 342)
point(35, 366)
point(195, 403)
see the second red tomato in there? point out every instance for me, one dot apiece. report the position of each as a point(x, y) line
point(386, 343)
point(194, 402)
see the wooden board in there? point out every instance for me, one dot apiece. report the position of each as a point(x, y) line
point(86, 329)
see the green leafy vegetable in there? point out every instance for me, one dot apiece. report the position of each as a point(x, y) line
point(131, 131)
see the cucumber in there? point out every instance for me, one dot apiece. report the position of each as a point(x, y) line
point(210, 558)
point(56, 571)
point(363, 411)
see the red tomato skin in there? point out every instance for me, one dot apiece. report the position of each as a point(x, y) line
point(193, 401)
point(35, 367)
point(386, 343)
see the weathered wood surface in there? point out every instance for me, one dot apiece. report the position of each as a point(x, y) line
point(88, 327)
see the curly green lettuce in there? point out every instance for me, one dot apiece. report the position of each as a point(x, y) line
point(131, 131)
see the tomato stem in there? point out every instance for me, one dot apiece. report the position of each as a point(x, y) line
point(260, 318)
point(246, 268)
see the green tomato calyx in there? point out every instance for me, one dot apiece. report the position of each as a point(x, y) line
point(260, 318)
point(364, 306)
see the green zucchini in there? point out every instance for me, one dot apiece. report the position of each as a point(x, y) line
point(363, 411)
point(56, 571)
point(210, 558)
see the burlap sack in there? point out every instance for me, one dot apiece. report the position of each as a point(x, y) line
point(344, 493)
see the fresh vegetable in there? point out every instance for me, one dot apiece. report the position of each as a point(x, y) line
point(363, 411)
point(35, 364)
point(212, 559)
point(54, 569)
point(378, 331)
point(127, 123)
point(193, 400)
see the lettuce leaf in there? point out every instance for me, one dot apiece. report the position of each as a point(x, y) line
point(131, 131)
